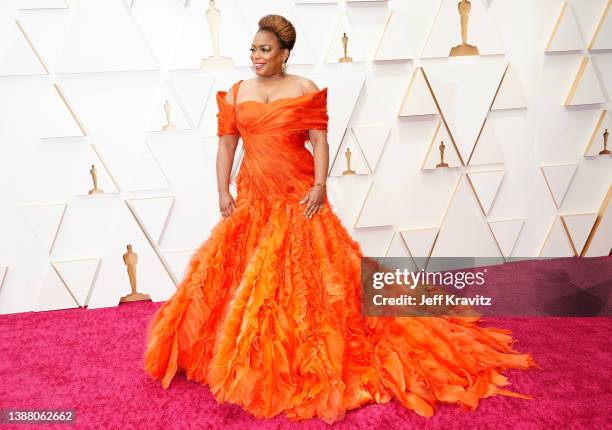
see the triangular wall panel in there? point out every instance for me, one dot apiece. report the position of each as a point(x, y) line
point(586, 88)
point(433, 157)
point(558, 179)
point(355, 49)
point(396, 41)
point(565, 35)
point(506, 234)
point(420, 242)
point(374, 212)
point(20, 56)
point(78, 276)
point(397, 247)
point(446, 31)
point(178, 261)
point(192, 94)
point(147, 173)
point(487, 149)
point(347, 196)
point(104, 38)
point(486, 186)
point(153, 213)
point(53, 294)
point(347, 88)
point(510, 94)
point(557, 243)
point(464, 92)
point(168, 114)
point(578, 227)
point(113, 282)
point(302, 52)
point(55, 118)
point(602, 37)
point(372, 141)
point(464, 232)
point(599, 242)
point(418, 99)
point(358, 163)
point(596, 141)
point(374, 242)
point(44, 221)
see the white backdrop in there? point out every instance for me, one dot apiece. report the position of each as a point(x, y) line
point(84, 82)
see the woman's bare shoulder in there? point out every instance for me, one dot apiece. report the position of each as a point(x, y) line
point(307, 85)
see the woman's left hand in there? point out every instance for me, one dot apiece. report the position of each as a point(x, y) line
point(314, 201)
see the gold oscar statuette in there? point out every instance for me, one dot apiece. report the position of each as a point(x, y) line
point(348, 170)
point(169, 125)
point(605, 150)
point(130, 258)
point(215, 61)
point(345, 59)
point(465, 48)
point(94, 176)
point(442, 147)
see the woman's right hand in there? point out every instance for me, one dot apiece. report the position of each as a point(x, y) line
point(227, 204)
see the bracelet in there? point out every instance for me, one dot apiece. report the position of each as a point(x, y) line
point(321, 184)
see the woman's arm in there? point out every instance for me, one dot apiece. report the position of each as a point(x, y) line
point(318, 138)
point(316, 196)
point(225, 160)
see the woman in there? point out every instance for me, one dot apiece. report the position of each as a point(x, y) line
point(268, 313)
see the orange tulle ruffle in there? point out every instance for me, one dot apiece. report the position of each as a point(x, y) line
point(268, 313)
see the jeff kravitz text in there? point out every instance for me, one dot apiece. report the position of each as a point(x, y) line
point(410, 280)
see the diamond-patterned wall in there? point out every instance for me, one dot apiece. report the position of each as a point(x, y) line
point(500, 153)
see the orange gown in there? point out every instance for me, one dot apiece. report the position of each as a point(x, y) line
point(268, 313)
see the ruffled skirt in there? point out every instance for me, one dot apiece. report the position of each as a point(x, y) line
point(268, 314)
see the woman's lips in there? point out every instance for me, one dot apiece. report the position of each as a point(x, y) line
point(259, 65)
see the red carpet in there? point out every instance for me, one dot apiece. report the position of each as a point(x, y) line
point(90, 360)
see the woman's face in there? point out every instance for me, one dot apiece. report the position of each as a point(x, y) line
point(266, 54)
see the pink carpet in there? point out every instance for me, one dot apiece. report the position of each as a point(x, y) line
point(90, 360)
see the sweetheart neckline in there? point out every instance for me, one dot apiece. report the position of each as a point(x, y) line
point(281, 99)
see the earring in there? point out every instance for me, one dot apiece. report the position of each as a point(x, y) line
point(284, 69)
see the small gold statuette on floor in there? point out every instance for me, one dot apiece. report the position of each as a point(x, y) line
point(465, 48)
point(442, 147)
point(213, 16)
point(130, 259)
point(348, 170)
point(94, 176)
point(169, 125)
point(345, 59)
point(605, 150)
